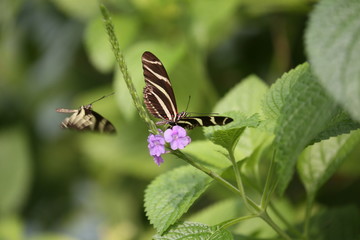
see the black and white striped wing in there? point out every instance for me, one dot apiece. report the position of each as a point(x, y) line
point(202, 121)
point(159, 96)
point(160, 100)
point(85, 119)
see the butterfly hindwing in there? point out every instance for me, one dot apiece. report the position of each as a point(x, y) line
point(202, 121)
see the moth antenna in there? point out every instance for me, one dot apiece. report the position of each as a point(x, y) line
point(102, 98)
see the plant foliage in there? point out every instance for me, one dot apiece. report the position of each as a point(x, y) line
point(309, 130)
point(296, 140)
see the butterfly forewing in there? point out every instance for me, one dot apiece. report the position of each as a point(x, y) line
point(160, 100)
point(85, 119)
point(158, 93)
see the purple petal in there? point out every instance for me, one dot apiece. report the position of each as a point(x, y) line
point(158, 160)
point(168, 135)
point(174, 145)
point(177, 137)
point(185, 141)
point(180, 143)
point(180, 132)
point(156, 145)
point(150, 138)
point(157, 150)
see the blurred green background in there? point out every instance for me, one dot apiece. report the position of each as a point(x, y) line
point(57, 184)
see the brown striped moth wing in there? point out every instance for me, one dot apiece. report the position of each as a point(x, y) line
point(85, 119)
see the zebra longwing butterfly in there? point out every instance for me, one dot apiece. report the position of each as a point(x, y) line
point(86, 119)
point(160, 100)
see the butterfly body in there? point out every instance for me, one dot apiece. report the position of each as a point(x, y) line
point(159, 98)
point(86, 119)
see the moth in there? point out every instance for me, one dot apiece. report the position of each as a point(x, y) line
point(159, 98)
point(86, 119)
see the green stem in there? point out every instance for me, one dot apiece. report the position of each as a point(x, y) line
point(309, 206)
point(269, 184)
point(238, 180)
point(288, 225)
point(124, 70)
point(236, 220)
point(274, 226)
point(216, 177)
point(261, 213)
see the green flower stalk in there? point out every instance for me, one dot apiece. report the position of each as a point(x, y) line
point(124, 70)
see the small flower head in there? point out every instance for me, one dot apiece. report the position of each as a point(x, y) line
point(156, 145)
point(177, 137)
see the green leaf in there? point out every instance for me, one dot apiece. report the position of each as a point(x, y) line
point(333, 46)
point(14, 170)
point(319, 161)
point(275, 98)
point(210, 18)
point(334, 224)
point(11, 228)
point(263, 8)
point(194, 231)
point(306, 111)
point(341, 123)
point(228, 136)
point(251, 139)
point(81, 9)
point(50, 236)
point(97, 41)
point(171, 194)
point(219, 212)
point(279, 91)
point(245, 97)
point(208, 154)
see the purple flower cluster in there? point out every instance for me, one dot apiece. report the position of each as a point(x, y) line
point(156, 147)
point(176, 136)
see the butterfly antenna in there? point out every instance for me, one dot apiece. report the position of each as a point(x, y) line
point(102, 98)
point(187, 105)
point(204, 113)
